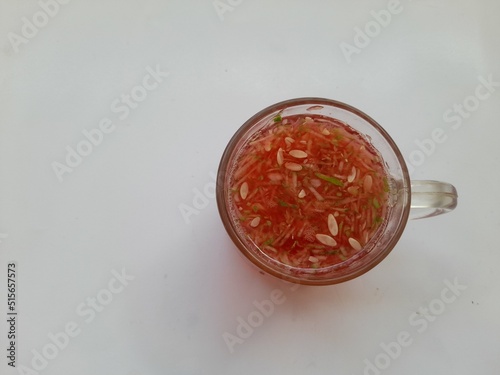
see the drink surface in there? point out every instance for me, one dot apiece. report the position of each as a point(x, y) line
point(308, 191)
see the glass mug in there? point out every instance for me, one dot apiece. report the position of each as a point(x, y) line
point(406, 199)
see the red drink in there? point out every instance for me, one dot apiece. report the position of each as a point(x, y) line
point(308, 191)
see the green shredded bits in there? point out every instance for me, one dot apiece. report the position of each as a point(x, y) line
point(386, 185)
point(330, 179)
point(337, 135)
point(284, 204)
point(376, 204)
point(277, 118)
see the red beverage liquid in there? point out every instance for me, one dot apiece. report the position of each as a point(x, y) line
point(309, 192)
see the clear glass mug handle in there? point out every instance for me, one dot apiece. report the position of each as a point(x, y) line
point(431, 198)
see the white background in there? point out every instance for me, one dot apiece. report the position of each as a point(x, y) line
point(120, 208)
